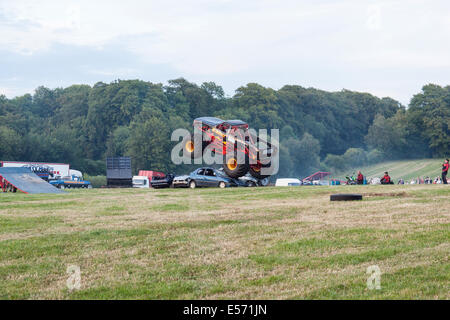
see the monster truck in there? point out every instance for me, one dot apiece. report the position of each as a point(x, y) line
point(232, 140)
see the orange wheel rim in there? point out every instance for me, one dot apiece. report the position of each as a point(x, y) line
point(189, 146)
point(232, 164)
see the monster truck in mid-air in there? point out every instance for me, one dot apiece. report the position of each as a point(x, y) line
point(232, 140)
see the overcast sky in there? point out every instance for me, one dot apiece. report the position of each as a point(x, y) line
point(387, 48)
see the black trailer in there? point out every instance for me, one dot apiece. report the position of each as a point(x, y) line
point(118, 172)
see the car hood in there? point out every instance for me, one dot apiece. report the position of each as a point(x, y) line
point(181, 177)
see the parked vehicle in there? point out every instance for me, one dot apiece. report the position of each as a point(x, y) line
point(151, 174)
point(141, 182)
point(204, 177)
point(162, 182)
point(118, 172)
point(73, 181)
point(287, 182)
point(218, 133)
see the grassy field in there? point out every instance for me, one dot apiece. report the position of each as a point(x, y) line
point(245, 243)
point(405, 169)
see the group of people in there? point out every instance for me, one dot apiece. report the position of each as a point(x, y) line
point(419, 180)
point(386, 179)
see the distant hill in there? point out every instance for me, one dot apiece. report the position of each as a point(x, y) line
point(406, 169)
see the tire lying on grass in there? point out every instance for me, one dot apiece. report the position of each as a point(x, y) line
point(345, 197)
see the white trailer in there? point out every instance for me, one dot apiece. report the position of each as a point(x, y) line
point(57, 170)
point(287, 182)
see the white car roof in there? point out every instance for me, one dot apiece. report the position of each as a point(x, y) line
point(288, 180)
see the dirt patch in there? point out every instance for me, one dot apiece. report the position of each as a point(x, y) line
point(388, 194)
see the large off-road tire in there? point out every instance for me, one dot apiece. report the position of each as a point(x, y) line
point(256, 172)
point(345, 197)
point(189, 147)
point(233, 169)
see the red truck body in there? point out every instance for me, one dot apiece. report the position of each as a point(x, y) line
point(150, 174)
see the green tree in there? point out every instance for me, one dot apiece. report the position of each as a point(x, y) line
point(117, 143)
point(11, 144)
point(356, 157)
point(148, 144)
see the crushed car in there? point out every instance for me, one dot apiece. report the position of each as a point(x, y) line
point(162, 182)
point(248, 180)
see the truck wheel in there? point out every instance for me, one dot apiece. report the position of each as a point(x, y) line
point(255, 171)
point(234, 169)
point(189, 148)
point(222, 184)
point(192, 184)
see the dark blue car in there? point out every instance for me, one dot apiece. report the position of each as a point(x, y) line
point(204, 177)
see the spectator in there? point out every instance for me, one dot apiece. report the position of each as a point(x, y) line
point(386, 179)
point(401, 181)
point(444, 171)
point(360, 178)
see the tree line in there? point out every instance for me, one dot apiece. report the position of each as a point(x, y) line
point(319, 130)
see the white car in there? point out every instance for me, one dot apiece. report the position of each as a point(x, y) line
point(287, 182)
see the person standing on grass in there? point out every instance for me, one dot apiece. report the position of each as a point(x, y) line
point(444, 171)
point(360, 178)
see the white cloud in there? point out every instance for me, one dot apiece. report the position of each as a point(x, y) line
point(304, 42)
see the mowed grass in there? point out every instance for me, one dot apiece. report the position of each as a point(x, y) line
point(405, 169)
point(240, 243)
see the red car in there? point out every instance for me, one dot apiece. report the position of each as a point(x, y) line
point(232, 140)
